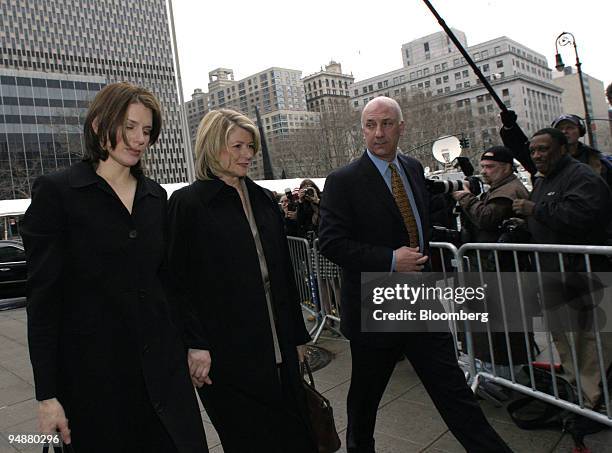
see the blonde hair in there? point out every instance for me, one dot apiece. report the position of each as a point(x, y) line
point(212, 136)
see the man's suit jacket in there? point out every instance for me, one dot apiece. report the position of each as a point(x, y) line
point(360, 228)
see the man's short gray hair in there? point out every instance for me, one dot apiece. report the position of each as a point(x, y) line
point(385, 100)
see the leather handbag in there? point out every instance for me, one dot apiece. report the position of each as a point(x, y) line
point(321, 415)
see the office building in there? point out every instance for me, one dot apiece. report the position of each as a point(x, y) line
point(328, 88)
point(279, 95)
point(41, 125)
point(572, 101)
point(196, 108)
point(436, 78)
point(84, 41)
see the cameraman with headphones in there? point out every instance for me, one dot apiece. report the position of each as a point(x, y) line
point(572, 127)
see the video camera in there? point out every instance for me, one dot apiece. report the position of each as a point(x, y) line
point(449, 186)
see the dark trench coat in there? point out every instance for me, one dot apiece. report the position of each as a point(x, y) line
point(218, 286)
point(99, 329)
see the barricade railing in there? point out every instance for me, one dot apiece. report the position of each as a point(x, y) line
point(443, 258)
point(319, 283)
point(329, 278)
point(302, 259)
point(585, 355)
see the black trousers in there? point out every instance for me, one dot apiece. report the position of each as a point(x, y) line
point(432, 357)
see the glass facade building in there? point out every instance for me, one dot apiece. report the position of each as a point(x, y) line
point(53, 54)
point(41, 125)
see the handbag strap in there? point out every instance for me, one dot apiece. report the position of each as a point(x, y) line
point(64, 448)
point(305, 367)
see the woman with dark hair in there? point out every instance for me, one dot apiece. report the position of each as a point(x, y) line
point(309, 197)
point(109, 365)
point(233, 281)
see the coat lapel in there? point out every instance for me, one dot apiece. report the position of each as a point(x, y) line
point(377, 186)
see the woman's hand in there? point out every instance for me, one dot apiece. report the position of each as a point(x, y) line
point(199, 366)
point(301, 352)
point(313, 199)
point(51, 418)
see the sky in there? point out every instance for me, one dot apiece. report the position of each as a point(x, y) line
point(366, 36)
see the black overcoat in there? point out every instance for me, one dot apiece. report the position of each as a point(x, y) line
point(99, 327)
point(218, 286)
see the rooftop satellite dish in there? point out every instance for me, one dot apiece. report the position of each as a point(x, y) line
point(446, 149)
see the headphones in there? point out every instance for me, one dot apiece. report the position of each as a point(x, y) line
point(575, 119)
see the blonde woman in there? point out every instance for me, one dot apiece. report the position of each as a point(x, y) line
point(233, 282)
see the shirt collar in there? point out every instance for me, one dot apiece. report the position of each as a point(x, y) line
point(381, 164)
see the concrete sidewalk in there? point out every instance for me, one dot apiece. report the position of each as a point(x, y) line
point(407, 421)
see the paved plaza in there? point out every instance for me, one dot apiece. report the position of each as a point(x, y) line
point(407, 420)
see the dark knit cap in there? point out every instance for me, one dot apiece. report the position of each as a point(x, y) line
point(498, 154)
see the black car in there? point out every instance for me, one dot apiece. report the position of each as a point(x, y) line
point(12, 274)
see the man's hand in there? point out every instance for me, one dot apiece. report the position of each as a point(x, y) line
point(51, 418)
point(409, 259)
point(199, 366)
point(292, 215)
point(523, 207)
point(508, 118)
point(301, 352)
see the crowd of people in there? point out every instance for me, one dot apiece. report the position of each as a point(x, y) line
point(134, 300)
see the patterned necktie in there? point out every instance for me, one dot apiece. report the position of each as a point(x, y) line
point(403, 204)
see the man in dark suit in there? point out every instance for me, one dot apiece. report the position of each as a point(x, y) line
point(375, 218)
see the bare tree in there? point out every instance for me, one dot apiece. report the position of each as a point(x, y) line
point(428, 118)
point(338, 138)
point(315, 151)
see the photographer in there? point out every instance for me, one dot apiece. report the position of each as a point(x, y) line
point(486, 213)
point(309, 197)
point(570, 204)
point(484, 217)
point(289, 208)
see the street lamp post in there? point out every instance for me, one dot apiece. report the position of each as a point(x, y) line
point(564, 39)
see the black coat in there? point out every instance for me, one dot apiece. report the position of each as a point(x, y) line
point(218, 286)
point(99, 327)
point(360, 228)
point(572, 206)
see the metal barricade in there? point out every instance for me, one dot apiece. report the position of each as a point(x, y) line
point(301, 258)
point(443, 257)
point(589, 349)
point(329, 279)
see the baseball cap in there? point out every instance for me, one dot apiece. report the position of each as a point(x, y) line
point(498, 154)
point(567, 117)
